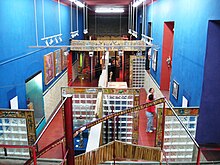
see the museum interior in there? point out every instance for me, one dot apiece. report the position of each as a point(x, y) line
point(79, 78)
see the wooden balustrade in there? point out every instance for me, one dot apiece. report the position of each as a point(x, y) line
point(122, 151)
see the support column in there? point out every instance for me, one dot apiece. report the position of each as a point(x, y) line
point(68, 117)
point(69, 68)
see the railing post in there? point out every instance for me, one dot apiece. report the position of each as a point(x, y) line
point(68, 117)
point(198, 157)
point(34, 155)
point(163, 125)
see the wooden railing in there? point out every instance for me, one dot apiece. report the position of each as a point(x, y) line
point(120, 151)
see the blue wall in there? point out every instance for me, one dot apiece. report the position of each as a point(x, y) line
point(18, 62)
point(191, 19)
point(209, 115)
point(190, 23)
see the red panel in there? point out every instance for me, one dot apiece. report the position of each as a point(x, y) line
point(167, 51)
point(69, 68)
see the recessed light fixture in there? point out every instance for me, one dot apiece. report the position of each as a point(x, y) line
point(109, 10)
point(78, 3)
point(137, 3)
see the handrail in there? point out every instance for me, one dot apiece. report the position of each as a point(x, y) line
point(50, 146)
point(64, 158)
point(46, 149)
point(133, 109)
point(49, 122)
point(164, 153)
point(33, 148)
point(187, 131)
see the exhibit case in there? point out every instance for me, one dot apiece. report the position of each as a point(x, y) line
point(178, 146)
point(137, 71)
point(17, 127)
point(124, 127)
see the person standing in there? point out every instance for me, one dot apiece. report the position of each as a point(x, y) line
point(150, 112)
point(151, 91)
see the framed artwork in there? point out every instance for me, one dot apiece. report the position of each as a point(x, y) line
point(175, 89)
point(58, 61)
point(65, 53)
point(154, 60)
point(48, 68)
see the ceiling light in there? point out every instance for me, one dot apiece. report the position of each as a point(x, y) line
point(46, 42)
point(51, 41)
point(56, 40)
point(60, 39)
point(78, 3)
point(109, 10)
point(137, 3)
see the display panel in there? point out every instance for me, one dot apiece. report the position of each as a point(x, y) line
point(48, 68)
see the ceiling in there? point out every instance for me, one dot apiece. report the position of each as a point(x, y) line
point(106, 3)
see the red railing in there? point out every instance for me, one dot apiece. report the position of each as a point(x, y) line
point(36, 154)
point(32, 148)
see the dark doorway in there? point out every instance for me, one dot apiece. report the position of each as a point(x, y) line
point(34, 95)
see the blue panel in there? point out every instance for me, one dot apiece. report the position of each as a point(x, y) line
point(191, 22)
point(18, 61)
point(40, 127)
point(208, 121)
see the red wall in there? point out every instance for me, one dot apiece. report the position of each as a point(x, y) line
point(167, 50)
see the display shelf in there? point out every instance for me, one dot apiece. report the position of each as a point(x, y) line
point(83, 108)
point(116, 103)
point(13, 131)
point(178, 150)
point(137, 71)
point(177, 143)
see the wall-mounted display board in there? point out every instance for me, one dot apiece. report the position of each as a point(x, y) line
point(58, 61)
point(17, 127)
point(64, 54)
point(137, 71)
point(49, 69)
point(110, 45)
point(154, 60)
point(177, 144)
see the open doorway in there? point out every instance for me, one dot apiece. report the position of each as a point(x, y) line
point(148, 50)
point(167, 53)
point(34, 95)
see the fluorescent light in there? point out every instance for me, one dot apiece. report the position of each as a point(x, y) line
point(78, 3)
point(137, 3)
point(109, 10)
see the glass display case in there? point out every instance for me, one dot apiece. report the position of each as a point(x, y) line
point(114, 103)
point(137, 71)
point(13, 131)
point(83, 108)
point(177, 144)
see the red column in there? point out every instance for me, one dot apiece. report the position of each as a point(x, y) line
point(68, 117)
point(69, 68)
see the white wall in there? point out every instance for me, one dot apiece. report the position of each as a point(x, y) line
point(52, 97)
